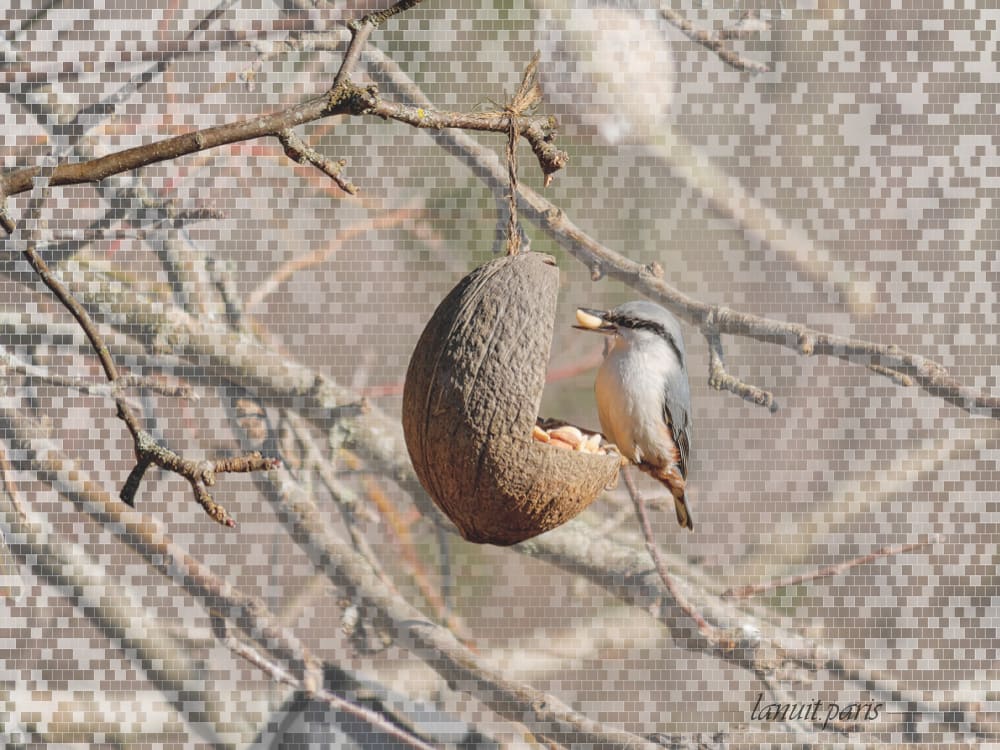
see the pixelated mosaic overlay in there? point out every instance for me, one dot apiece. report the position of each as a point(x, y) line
point(225, 234)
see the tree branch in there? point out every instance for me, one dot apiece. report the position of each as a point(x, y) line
point(200, 475)
point(706, 630)
point(434, 644)
point(716, 42)
point(750, 641)
point(752, 589)
point(278, 674)
point(708, 318)
point(721, 380)
point(298, 151)
point(345, 98)
point(112, 608)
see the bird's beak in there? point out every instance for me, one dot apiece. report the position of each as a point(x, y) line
point(593, 320)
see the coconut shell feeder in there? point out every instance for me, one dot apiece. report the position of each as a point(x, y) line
point(470, 408)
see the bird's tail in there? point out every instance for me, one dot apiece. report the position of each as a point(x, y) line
point(683, 516)
point(674, 481)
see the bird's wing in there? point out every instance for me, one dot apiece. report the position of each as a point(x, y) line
point(676, 405)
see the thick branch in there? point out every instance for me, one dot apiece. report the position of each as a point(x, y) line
point(485, 164)
point(343, 99)
point(102, 167)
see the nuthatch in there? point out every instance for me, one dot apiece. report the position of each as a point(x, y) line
point(643, 395)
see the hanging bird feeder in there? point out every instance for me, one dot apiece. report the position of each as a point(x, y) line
point(470, 409)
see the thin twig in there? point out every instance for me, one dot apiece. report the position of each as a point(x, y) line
point(77, 310)
point(361, 29)
point(6, 220)
point(654, 552)
point(290, 267)
point(8, 565)
point(714, 42)
point(379, 17)
point(221, 274)
point(9, 485)
point(896, 377)
point(720, 379)
point(298, 151)
point(279, 674)
point(752, 589)
point(9, 361)
point(148, 451)
point(434, 644)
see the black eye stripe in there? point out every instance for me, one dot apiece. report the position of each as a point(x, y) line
point(641, 324)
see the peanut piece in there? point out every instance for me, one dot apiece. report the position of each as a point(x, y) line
point(539, 434)
point(560, 443)
point(567, 433)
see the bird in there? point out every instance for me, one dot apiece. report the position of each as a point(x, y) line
point(642, 392)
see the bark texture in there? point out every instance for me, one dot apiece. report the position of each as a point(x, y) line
point(473, 389)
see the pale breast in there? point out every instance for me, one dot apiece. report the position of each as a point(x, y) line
point(631, 410)
point(613, 409)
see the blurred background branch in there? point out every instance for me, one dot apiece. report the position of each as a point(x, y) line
point(268, 288)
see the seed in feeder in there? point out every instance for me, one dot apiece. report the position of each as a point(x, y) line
point(568, 434)
point(539, 434)
point(593, 442)
point(559, 443)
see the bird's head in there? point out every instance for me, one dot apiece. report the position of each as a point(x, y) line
point(640, 323)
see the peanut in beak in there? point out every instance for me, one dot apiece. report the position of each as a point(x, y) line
point(587, 320)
